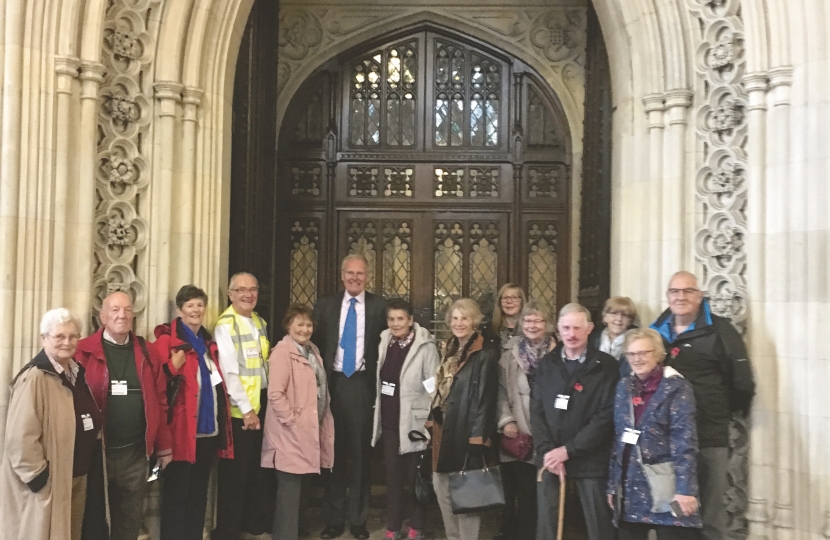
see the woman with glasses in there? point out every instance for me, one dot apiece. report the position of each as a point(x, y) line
point(407, 362)
point(654, 420)
point(618, 316)
point(504, 323)
point(52, 426)
point(517, 374)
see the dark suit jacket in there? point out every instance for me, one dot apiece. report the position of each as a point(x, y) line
point(327, 329)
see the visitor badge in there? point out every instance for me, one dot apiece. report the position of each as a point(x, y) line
point(562, 402)
point(87, 421)
point(215, 378)
point(630, 436)
point(119, 388)
point(429, 385)
point(251, 353)
point(387, 388)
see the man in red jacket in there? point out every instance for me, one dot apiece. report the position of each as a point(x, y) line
point(129, 387)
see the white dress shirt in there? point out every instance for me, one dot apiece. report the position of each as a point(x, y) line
point(229, 361)
point(360, 308)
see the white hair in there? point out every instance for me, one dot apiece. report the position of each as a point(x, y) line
point(54, 317)
point(240, 274)
point(573, 307)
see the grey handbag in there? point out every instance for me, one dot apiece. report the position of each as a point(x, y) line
point(476, 490)
point(661, 480)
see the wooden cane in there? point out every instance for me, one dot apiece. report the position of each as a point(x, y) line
point(560, 528)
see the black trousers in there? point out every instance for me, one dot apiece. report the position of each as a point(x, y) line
point(247, 492)
point(347, 493)
point(184, 493)
point(400, 491)
point(594, 506)
point(519, 516)
point(639, 531)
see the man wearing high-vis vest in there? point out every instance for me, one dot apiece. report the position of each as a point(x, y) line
point(242, 338)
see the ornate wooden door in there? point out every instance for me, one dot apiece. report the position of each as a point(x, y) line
point(444, 162)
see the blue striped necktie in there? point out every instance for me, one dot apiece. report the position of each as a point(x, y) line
point(349, 340)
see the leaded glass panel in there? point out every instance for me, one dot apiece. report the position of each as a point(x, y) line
point(363, 236)
point(484, 264)
point(477, 120)
point(401, 92)
point(310, 122)
point(397, 260)
point(541, 262)
point(448, 267)
point(541, 124)
point(304, 257)
point(364, 117)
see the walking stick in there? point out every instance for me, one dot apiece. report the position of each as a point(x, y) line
point(560, 527)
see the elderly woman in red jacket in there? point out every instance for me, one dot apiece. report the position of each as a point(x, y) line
point(299, 429)
point(198, 415)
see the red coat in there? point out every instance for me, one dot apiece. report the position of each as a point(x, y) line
point(186, 407)
point(90, 354)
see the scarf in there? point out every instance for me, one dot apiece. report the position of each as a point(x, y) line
point(614, 348)
point(643, 390)
point(403, 342)
point(529, 356)
point(207, 419)
point(453, 359)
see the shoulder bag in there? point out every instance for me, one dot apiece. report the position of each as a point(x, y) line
point(475, 490)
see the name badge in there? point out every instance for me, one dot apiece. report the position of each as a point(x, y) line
point(251, 353)
point(630, 436)
point(215, 378)
point(119, 388)
point(387, 388)
point(429, 385)
point(87, 421)
point(562, 402)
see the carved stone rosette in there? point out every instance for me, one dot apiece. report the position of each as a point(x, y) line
point(720, 246)
point(122, 175)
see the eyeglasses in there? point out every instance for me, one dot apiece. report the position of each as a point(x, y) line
point(619, 314)
point(688, 291)
point(61, 338)
point(641, 355)
point(510, 298)
point(534, 321)
point(246, 290)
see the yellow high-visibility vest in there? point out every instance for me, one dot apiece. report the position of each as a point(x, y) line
point(251, 355)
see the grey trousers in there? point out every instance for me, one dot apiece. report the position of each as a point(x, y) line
point(127, 485)
point(456, 527)
point(594, 506)
point(712, 464)
point(290, 503)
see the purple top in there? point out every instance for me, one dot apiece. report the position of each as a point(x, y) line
point(390, 372)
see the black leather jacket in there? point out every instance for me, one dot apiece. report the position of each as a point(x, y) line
point(470, 412)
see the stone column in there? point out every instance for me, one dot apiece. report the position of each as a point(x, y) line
point(168, 96)
point(79, 291)
point(66, 69)
point(653, 221)
point(778, 287)
point(674, 185)
point(762, 441)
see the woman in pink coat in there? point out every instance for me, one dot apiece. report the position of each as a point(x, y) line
point(299, 429)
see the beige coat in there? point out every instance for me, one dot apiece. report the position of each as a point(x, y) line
point(514, 393)
point(421, 364)
point(293, 440)
point(40, 432)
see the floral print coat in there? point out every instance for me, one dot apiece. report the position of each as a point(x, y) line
point(667, 433)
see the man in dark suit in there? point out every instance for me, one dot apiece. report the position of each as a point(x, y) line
point(347, 329)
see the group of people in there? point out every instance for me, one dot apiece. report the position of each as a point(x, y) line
point(636, 418)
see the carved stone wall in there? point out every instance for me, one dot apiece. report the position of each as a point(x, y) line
point(123, 172)
point(720, 246)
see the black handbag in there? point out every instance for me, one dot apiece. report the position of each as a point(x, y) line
point(424, 491)
point(476, 490)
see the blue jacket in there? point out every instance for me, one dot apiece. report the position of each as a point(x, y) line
point(668, 433)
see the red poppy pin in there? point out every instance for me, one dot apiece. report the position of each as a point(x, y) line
point(637, 400)
point(578, 387)
point(675, 352)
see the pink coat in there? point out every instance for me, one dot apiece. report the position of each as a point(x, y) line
point(294, 441)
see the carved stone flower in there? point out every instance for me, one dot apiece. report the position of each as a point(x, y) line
point(124, 45)
point(556, 35)
point(722, 54)
point(728, 178)
point(119, 233)
point(122, 171)
point(727, 241)
point(115, 286)
point(727, 116)
point(122, 110)
point(299, 32)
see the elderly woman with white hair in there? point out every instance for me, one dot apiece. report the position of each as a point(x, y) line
point(51, 428)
